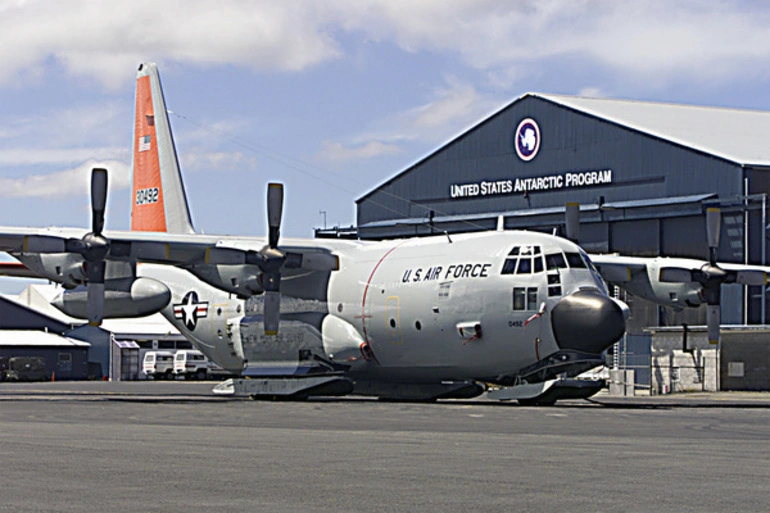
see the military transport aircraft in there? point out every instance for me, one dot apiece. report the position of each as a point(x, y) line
point(415, 319)
point(411, 319)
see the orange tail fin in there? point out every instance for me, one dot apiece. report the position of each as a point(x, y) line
point(158, 202)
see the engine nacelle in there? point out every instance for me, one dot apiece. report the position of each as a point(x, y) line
point(64, 268)
point(122, 298)
point(241, 280)
point(342, 342)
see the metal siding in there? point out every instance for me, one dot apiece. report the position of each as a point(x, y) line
point(643, 167)
point(635, 237)
point(684, 237)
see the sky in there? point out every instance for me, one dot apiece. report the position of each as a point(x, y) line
point(332, 98)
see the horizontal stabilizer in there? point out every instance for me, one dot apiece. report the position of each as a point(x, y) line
point(17, 270)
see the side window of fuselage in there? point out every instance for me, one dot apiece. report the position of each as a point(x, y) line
point(519, 300)
point(525, 298)
point(531, 298)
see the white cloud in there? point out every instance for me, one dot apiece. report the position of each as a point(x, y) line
point(457, 104)
point(104, 39)
point(659, 40)
point(591, 92)
point(335, 152)
point(71, 124)
point(656, 39)
point(69, 182)
point(33, 156)
point(218, 161)
point(454, 107)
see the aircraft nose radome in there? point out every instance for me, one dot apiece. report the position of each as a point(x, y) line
point(587, 321)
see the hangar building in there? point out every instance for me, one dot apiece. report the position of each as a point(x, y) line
point(643, 173)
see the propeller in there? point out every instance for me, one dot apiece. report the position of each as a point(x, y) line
point(711, 276)
point(270, 260)
point(93, 247)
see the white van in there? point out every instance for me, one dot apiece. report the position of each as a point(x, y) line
point(191, 364)
point(158, 364)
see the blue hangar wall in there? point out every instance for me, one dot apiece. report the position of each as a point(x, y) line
point(640, 194)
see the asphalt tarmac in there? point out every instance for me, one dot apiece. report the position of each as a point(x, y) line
point(173, 447)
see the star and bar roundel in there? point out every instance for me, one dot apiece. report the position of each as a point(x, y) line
point(191, 309)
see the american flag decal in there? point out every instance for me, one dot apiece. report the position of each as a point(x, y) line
point(144, 143)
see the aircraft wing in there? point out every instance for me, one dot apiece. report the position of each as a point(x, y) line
point(162, 248)
point(139, 246)
point(104, 261)
point(619, 269)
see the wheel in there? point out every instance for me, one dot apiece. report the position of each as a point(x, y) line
point(200, 375)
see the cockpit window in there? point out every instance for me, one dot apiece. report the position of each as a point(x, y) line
point(509, 266)
point(588, 262)
point(594, 272)
point(525, 266)
point(529, 259)
point(575, 260)
point(538, 264)
point(555, 261)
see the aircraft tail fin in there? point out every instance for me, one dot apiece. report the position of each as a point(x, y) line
point(159, 202)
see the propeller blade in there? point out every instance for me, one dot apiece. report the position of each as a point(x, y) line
point(98, 199)
point(713, 225)
point(274, 211)
point(713, 321)
point(272, 314)
point(572, 221)
point(675, 275)
point(94, 248)
point(95, 292)
point(751, 277)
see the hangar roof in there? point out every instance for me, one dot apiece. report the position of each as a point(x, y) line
point(28, 338)
point(737, 135)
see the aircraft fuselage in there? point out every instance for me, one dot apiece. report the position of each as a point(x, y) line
point(477, 306)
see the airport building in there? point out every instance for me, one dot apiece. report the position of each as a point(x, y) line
point(643, 173)
point(30, 327)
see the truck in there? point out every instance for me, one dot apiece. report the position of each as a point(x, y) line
point(191, 364)
point(158, 364)
point(26, 368)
